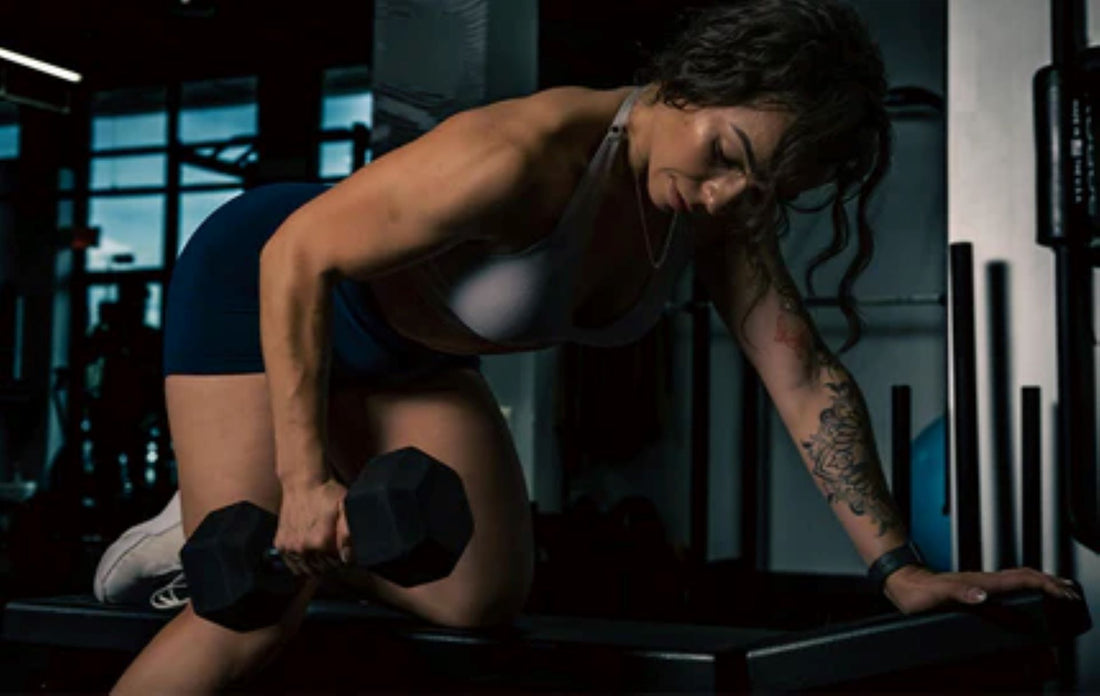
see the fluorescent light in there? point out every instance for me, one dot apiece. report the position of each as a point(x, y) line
point(40, 66)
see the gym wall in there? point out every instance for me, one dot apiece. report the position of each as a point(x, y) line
point(994, 49)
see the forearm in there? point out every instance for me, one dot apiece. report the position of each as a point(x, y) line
point(294, 328)
point(833, 431)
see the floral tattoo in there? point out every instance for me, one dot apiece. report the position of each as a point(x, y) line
point(843, 459)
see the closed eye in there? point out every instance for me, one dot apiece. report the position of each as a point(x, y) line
point(719, 157)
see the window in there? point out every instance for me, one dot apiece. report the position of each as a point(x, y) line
point(218, 120)
point(218, 110)
point(127, 179)
point(132, 232)
point(346, 101)
point(9, 146)
point(129, 182)
point(9, 141)
point(196, 207)
point(128, 130)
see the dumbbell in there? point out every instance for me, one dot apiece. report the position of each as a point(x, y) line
point(409, 522)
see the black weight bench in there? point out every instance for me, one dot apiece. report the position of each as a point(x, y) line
point(74, 642)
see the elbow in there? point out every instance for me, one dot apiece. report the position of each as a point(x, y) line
point(820, 379)
point(288, 258)
point(799, 393)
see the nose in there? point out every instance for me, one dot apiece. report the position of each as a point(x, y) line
point(719, 193)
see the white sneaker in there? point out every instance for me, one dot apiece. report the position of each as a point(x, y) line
point(172, 595)
point(141, 559)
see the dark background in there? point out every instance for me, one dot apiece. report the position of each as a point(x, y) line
point(129, 42)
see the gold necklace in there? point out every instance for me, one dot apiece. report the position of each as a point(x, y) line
point(654, 263)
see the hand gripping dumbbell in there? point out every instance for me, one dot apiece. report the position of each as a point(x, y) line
point(409, 522)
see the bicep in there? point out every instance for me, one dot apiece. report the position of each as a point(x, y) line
point(753, 292)
point(411, 203)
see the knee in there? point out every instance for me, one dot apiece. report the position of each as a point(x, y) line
point(479, 614)
point(484, 607)
point(193, 655)
point(240, 653)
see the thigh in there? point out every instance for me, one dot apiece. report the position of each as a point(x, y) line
point(454, 417)
point(223, 441)
point(222, 435)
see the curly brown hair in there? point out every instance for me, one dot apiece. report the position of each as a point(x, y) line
point(816, 59)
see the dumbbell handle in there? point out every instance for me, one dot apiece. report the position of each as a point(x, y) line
point(275, 560)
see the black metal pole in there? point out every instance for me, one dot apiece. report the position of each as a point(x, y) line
point(360, 144)
point(1065, 135)
point(700, 421)
point(969, 540)
point(1077, 393)
point(1000, 380)
point(173, 182)
point(754, 482)
point(900, 439)
point(1067, 30)
point(1031, 477)
point(75, 376)
point(1072, 218)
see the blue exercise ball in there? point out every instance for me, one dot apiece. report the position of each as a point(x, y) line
point(931, 512)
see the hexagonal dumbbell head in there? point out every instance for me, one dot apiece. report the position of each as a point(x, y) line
point(409, 517)
point(231, 581)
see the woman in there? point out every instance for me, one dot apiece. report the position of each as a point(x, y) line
point(309, 328)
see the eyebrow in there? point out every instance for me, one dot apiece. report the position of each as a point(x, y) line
point(750, 154)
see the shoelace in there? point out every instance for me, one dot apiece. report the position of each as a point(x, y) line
point(172, 595)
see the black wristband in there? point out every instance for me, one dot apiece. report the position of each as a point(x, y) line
point(894, 560)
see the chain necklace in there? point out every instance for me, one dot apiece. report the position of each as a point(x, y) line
point(654, 263)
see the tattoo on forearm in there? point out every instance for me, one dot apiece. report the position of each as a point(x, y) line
point(794, 329)
point(843, 459)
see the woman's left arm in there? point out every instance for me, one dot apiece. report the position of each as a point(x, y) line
point(826, 416)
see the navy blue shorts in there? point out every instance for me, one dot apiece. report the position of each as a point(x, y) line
point(212, 320)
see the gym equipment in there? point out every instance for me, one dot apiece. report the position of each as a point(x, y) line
point(931, 514)
point(964, 359)
point(75, 643)
point(1066, 95)
point(409, 521)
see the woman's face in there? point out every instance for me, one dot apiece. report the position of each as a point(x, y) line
point(702, 159)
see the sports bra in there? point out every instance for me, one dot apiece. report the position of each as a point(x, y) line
point(527, 297)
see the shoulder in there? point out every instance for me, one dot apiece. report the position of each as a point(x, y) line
point(529, 149)
point(548, 122)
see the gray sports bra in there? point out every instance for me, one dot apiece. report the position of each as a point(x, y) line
point(527, 297)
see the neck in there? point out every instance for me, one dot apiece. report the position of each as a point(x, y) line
point(639, 130)
point(632, 166)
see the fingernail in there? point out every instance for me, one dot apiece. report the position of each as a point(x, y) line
point(977, 595)
point(1066, 581)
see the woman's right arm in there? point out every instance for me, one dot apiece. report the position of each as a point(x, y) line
point(404, 207)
